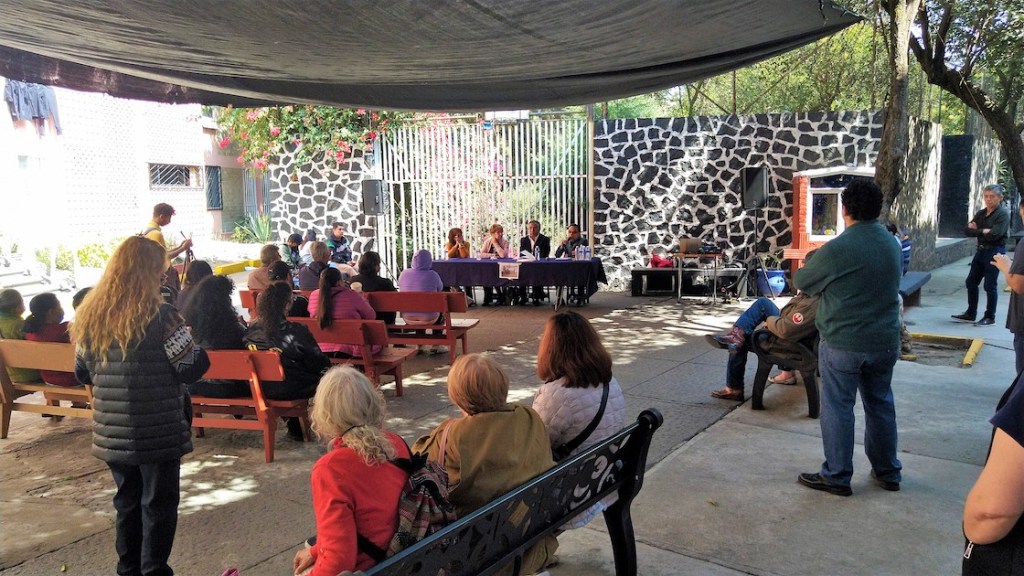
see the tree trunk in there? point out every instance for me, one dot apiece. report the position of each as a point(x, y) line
point(891, 163)
point(974, 97)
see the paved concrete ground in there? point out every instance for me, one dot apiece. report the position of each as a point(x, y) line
point(720, 496)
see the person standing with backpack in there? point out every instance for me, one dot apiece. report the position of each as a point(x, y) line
point(355, 488)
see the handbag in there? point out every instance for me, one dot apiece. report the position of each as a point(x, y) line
point(1002, 558)
point(562, 452)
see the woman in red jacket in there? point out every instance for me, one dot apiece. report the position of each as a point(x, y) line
point(355, 487)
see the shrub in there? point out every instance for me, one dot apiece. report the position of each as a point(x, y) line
point(253, 230)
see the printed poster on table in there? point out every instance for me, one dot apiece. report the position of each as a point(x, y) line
point(508, 270)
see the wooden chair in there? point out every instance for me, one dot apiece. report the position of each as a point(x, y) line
point(255, 367)
point(364, 333)
point(451, 329)
point(39, 356)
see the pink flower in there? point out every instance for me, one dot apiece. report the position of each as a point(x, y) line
point(252, 115)
point(370, 135)
point(274, 131)
point(244, 136)
point(261, 164)
point(297, 142)
point(361, 111)
point(240, 159)
point(224, 142)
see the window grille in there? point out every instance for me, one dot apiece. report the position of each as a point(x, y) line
point(214, 197)
point(173, 175)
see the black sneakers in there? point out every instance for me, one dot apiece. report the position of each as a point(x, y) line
point(985, 321)
point(965, 317)
point(816, 482)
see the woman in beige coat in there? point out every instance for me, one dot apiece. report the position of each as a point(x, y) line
point(494, 447)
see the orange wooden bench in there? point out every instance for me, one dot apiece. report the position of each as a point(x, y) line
point(365, 333)
point(39, 356)
point(248, 299)
point(255, 367)
point(451, 330)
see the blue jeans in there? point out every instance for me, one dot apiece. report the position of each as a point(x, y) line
point(982, 268)
point(147, 516)
point(843, 373)
point(757, 313)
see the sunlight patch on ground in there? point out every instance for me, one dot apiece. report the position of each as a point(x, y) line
point(200, 494)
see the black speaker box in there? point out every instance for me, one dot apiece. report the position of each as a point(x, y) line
point(755, 187)
point(373, 196)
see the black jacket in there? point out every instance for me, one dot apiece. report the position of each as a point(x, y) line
point(141, 411)
point(301, 358)
point(543, 242)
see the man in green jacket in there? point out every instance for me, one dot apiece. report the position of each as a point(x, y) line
point(857, 276)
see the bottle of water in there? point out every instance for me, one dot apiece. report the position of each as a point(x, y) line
point(576, 253)
point(536, 252)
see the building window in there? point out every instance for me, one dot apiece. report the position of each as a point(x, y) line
point(173, 175)
point(214, 197)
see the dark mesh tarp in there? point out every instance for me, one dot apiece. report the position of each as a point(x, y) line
point(397, 54)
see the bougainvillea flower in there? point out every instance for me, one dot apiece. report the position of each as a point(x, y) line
point(361, 111)
point(224, 142)
point(240, 159)
point(274, 131)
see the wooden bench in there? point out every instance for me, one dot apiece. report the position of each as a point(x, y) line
point(364, 333)
point(807, 366)
point(39, 356)
point(641, 280)
point(910, 286)
point(451, 330)
point(248, 299)
point(500, 532)
point(255, 367)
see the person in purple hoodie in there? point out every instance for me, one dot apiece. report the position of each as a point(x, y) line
point(420, 278)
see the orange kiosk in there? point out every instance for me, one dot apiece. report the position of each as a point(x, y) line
point(817, 210)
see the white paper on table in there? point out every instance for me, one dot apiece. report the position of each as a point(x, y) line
point(526, 256)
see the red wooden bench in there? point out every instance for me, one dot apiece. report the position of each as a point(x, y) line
point(255, 367)
point(39, 356)
point(364, 333)
point(248, 300)
point(451, 330)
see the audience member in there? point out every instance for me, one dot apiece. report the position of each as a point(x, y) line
point(12, 307)
point(990, 226)
point(79, 297)
point(301, 358)
point(578, 388)
point(341, 251)
point(492, 448)
point(280, 272)
point(45, 323)
point(309, 276)
point(196, 272)
point(128, 340)
point(290, 251)
point(355, 487)
point(215, 325)
point(792, 324)
point(993, 521)
point(540, 246)
point(495, 246)
point(1014, 271)
point(421, 278)
point(334, 300)
point(260, 277)
point(906, 244)
point(860, 341)
point(304, 254)
point(370, 280)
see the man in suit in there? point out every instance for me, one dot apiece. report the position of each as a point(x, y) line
point(534, 242)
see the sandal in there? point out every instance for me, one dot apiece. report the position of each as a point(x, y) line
point(785, 381)
point(728, 394)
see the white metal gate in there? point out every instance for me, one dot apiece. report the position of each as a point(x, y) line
point(471, 176)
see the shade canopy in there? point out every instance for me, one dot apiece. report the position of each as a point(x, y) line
point(397, 54)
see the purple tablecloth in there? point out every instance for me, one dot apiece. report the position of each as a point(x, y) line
point(546, 272)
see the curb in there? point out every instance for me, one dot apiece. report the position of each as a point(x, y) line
point(973, 345)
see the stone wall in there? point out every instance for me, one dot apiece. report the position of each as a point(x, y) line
point(316, 195)
point(657, 180)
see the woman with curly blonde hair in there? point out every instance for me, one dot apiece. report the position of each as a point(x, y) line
point(137, 353)
point(355, 487)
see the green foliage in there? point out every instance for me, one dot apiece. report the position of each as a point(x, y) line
point(93, 255)
point(253, 230)
point(263, 133)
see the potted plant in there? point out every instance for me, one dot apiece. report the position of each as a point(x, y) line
point(771, 278)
